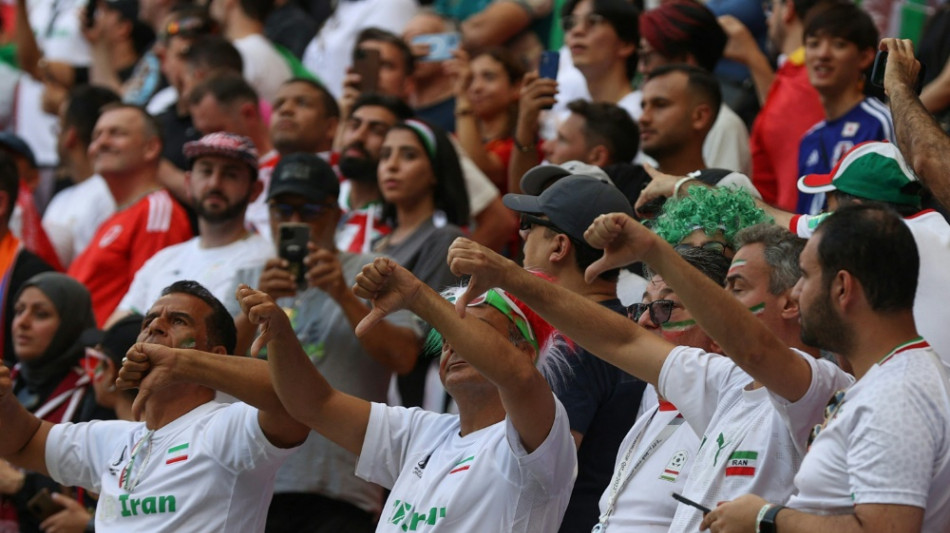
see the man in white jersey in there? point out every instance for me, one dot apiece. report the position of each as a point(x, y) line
point(193, 464)
point(657, 453)
point(745, 445)
point(882, 457)
point(872, 172)
point(506, 462)
point(879, 461)
point(221, 182)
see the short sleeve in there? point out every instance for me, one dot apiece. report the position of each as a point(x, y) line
point(552, 466)
point(77, 454)
point(387, 444)
point(693, 380)
point(237, 440)
point(801, 416)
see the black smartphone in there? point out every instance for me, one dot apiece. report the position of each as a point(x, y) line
point(366, 64)
point(42, 506)
point(292, 246)
point(687, 501)
point(877, 71)
point(880, 64)
point(90, 19)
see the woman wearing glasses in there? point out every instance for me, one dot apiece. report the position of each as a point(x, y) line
point(50, 314)
point(426, 203)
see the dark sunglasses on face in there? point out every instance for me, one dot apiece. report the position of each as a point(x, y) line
point(307, 212)
point(528, 221)
point(660, 311)
point(590, 20)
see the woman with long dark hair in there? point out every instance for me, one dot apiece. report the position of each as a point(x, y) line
point(426, 204)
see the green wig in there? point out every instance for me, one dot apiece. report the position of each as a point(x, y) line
point(711, 210)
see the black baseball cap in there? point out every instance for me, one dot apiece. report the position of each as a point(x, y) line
point(572, 203)
point(306, 175)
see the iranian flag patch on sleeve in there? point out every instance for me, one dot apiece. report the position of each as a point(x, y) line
point(742, 463)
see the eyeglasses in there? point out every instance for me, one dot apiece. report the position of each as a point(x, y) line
point(590, 20)
point(714, 246)
point(529, 221)
point(308, 212)
point(92, 361)
point(660, 311)
point(831, 410)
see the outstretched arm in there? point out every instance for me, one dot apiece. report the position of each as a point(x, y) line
point(924, 145)
point(604, 333)
point(22, 435)
point(525, 394)
point(304, 392)
point(743, 337)
point(665, 186)
point(151, 367)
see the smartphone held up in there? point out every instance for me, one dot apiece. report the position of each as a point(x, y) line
point(292, 247)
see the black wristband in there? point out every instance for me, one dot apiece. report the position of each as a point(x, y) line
point(767, 523)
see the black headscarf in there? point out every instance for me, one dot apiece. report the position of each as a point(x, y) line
point(74, 306)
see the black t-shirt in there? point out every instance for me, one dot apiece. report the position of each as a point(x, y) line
point(176, 131)
point(601, 403)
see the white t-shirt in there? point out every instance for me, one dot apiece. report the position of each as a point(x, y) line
point(644, 503)
point(55, 24)
point(210, 470)
point(932, 235)
point(801, 416)
point(264, 68)
point(887, 443)
point(74, 214)
point(745, 448)
point(482, 482)
point(727, 143)
point(330, 52)
point(214, 268)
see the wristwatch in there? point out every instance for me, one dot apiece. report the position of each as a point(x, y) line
point(766, 522)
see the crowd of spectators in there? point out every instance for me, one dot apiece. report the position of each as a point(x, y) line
point(488, 266)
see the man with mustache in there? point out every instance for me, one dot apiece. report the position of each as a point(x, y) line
point(363, 133)
point(221, 182)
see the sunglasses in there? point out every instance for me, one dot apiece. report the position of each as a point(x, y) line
point(589, 20)
point(188, 26)
point(714, 246)
point(831, 410)
point(660, 311)
point(528, 221)
point(307, 212)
